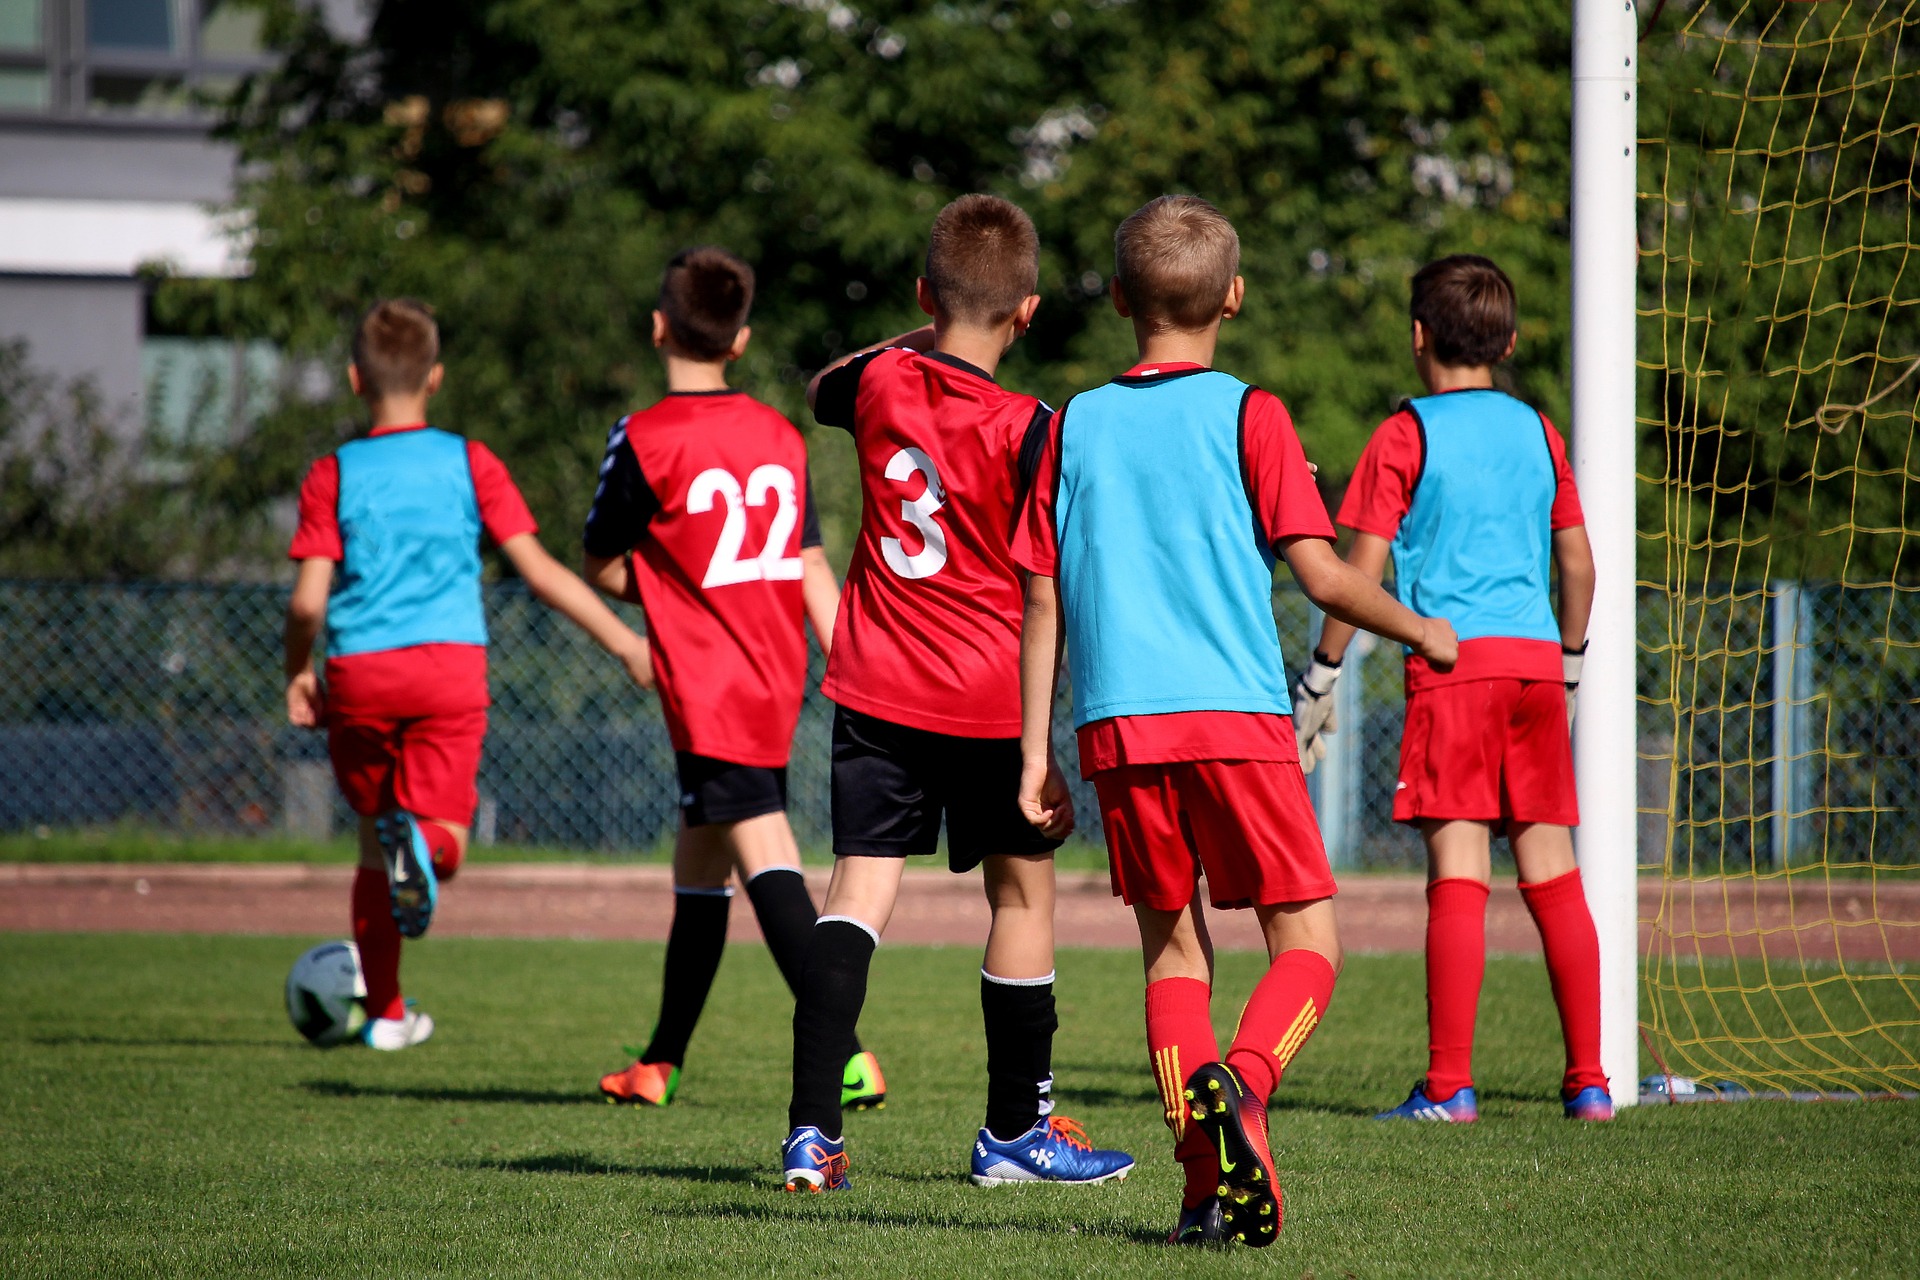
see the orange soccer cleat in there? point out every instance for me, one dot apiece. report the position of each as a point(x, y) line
point(644, 1084)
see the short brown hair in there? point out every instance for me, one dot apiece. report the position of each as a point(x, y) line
point(1175, 258)
point(1466, 305)
point(396, 347)
point(705, 296)
point(983, 259)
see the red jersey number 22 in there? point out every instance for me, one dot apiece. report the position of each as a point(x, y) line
point(917, 512)
point(772, 564)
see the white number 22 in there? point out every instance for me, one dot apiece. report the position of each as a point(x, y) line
point(772, 565)
point(917, 512)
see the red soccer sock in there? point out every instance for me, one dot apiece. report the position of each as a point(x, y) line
point(1456, 967)
point(1559, 908)
point(441, 847)
point(1180, 1040)
point(1284, 1009)
point(378, 938)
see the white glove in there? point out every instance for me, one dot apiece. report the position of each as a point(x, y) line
point(1571, 660)
point(1313, 710)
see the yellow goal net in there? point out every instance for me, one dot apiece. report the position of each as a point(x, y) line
point(1779, 558)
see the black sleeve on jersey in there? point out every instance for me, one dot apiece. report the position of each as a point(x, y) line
point(1031, 446)
point(810, 522)
point(624, 504)
point(833, 401)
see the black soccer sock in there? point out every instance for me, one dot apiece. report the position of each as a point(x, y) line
point(825, 1010)
point(1020, 1022)
point(786, 916)
point(694, 946)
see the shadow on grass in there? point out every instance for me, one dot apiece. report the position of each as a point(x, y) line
point(579, 1163)
point(427, 1093)
point(1100, 1095)
point(159, 1042)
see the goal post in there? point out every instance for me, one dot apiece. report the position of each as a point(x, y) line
point(1605, 266)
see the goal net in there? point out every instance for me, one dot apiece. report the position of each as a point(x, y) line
point(1779, 570)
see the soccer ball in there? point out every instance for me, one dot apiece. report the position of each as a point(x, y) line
point(326, 994)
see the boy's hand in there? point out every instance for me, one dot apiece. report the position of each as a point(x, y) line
point(1437, 643)
point(306, 706)
point(1045, 800)
point(1314, 712)
point(638, 660)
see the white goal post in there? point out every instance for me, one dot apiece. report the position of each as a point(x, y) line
point(1605, 268)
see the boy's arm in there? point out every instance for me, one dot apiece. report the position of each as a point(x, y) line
point(306, 614)
point(559, 588)
point(1368, 554)
point(1573, 557)
point(1314, 709)
point(821, 590)
point(610, 576)
point(920, 339)
point(1044, 798)
point(1343, 592)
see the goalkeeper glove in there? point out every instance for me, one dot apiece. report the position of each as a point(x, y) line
point(1571, 661)
point(1313, 710)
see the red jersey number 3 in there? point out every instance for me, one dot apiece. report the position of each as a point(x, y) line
point(769, 480)
point(918, 512)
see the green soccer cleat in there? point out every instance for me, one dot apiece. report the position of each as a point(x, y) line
point(862, 1087)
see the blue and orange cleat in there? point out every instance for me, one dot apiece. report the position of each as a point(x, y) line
point(1463, 1107)
point(1591, 1103)
point(1054, 1150)
point(814, 1162)
point(1235, 1121)
point(410, 879)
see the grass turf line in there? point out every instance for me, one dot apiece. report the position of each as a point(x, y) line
point(159, 1117)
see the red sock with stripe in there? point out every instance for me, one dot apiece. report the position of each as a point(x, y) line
point(1456, 967)
point(1281, 1014)
point(378, 938)
point(1180, 1040)
point(1567, 935)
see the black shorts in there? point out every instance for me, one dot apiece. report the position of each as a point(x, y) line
point(892, 784)
point(722, 791)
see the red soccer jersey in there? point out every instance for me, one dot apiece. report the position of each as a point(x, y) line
point(929, 627)
point(709, 491)
point(1286, 503)
point(1378, 498)
point(421, 680)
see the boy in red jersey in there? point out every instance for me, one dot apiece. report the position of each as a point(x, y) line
point(1160, 503)
point(923, 670)
point(399, 513)
point(1471, 492)
point(704, 517)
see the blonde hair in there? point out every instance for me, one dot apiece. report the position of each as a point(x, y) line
point(395, 347)
point(1175, 258)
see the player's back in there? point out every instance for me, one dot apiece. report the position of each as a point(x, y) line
point(409, 526)
point(929, 628)
point(719, 569)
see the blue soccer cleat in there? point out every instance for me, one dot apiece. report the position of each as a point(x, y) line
point(1462, 1108)
point(1591, 1103)
point(1054, 1150)
point(410, 879)
point(814, 1162)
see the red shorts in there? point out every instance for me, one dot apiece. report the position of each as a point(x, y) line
point(1246, 823)
point(424, 765)
point(1493, 751)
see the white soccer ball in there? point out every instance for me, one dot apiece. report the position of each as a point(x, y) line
point(326, 994)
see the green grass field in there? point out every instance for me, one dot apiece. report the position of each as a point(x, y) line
point(159, 1118)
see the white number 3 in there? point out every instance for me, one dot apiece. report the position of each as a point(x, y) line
point(772, 564)
point(917, 512)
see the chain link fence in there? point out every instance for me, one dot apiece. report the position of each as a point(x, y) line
point(1779, 724)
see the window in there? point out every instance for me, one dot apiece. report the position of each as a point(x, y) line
point(149, 59)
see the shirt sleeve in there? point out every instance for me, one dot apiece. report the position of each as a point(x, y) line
point(623, 504)
point(839, 392)
point(1381, 490)
point(1282, 488)
point(1566, 499)
point(1035, 547)
point(503, 511)
point(317, 536)
point(810, 521)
